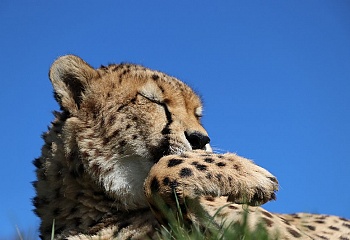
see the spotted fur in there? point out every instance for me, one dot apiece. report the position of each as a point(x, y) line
point(126, 136)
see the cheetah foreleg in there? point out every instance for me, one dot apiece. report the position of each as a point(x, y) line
point(199, 173)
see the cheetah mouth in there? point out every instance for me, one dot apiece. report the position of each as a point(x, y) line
point(165, 150)
point(177, 148)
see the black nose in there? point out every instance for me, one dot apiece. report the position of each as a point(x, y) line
point(197, 140)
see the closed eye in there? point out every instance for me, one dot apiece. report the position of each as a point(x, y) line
point(152, 93)
point(151, 98)
point(167, 112)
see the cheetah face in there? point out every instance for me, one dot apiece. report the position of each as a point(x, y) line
point(122, 119)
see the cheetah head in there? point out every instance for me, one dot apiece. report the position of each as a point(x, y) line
point(117, 121)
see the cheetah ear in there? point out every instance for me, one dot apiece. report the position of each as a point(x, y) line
point(70, 76)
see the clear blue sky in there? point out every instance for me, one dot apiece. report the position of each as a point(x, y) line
point(274, 76)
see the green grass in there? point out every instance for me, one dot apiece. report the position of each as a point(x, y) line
point(205, 227)
point(177, 228)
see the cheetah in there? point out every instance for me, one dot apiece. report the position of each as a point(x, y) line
point(127, 136)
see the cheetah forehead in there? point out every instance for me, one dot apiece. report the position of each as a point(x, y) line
point(167, 89)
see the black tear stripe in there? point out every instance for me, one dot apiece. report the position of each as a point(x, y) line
point(163, 149)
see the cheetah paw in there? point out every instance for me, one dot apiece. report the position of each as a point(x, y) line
point(257, 185)
point(199, 173)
